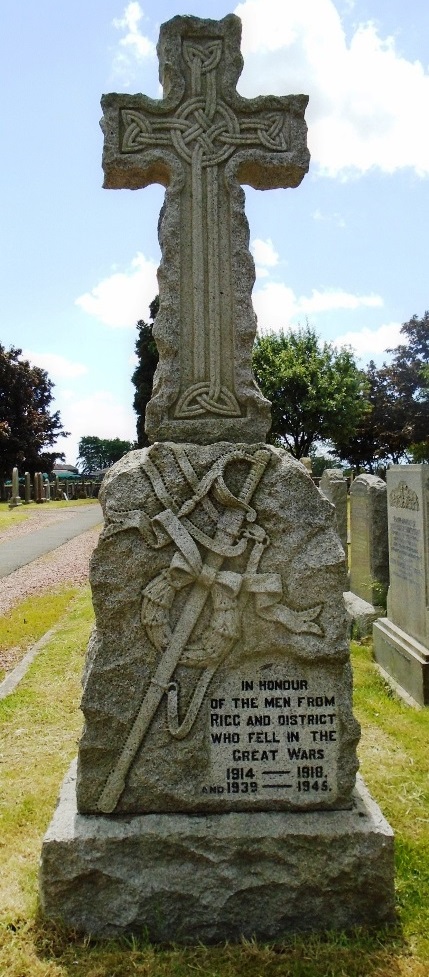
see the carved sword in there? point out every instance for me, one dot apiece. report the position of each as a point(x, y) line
point(229, 525)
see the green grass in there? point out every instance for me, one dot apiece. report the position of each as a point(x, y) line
point(12, 517)
point(25, 623)
point(40, 726)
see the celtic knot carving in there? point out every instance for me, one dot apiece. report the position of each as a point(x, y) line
point(201, 58)
point(206, 131)
point(197, 400)
point(216, 133)
point(201, 126)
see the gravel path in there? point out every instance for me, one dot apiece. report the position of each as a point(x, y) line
point(68, 564)
point(38, 519)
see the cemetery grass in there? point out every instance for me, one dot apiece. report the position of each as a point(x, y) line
point(23, 625)
point(12, 517)
point(40, 727)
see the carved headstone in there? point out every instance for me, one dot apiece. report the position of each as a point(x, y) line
point(334, 487)
point(233, 691)
point(217, 688)
point(369, 573)
point(401, 641)
point(201, 141)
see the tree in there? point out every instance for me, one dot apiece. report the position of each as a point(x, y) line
point(383, 433)
point(142, 377)
point(409, 376)
point(317, 392)
point(95, 454)
point(27, 427)
point(396, 426)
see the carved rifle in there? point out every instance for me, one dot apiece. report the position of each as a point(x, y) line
point(228, 529)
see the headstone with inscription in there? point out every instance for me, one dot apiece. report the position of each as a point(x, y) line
point(215, 790)
point(401, 641)
point(369, 573)
point(334, 487)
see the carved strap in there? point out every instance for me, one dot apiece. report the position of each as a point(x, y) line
point(180, 730)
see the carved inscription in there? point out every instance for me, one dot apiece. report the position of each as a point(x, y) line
point(196, 567)
point(406, 556)
point(274, 736)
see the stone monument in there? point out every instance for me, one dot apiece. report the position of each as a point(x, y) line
point(369, 573)
point(334, 486)
point(401, 641)
point(15, 499)
point(215, 791)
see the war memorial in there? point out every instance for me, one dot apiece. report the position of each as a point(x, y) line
point(215, 794)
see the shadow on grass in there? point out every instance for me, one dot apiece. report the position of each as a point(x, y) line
point(361, 953)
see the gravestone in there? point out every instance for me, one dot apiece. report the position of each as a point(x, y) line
point(27, 488)
point(401, 641)
point(334, 487)
point(215, 791)
point(15, 497)
point(369, 573)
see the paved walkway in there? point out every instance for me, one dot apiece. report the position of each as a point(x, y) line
point(15, 553)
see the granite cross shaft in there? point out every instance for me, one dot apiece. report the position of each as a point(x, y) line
point(201, 141)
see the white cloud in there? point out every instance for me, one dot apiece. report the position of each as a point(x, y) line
point(277, 306)
point(123, 298)
point(333, 218)
point(101, 414)
point(372, 342)
point(367, 102)
point(57, 366)
point(265, 256)
point(134, 45)
point(332, 298)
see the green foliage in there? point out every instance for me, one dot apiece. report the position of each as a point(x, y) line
point(396, 426)
point(316, 391)
point(95, 454)
point(142, 378)
point(319, 463)
point(27, 427)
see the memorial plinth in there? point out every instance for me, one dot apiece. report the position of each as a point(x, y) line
point(401, 640)
point(215, 790)
point(212, 878)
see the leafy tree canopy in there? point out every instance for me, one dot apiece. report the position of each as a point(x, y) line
point(95, 454)
point(317, 391)
point(396, 428)
point(142, 377)
point(27, 427)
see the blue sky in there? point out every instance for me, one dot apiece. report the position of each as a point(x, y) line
point(347, 249)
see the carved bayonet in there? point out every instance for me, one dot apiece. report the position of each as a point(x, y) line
point(228, 530)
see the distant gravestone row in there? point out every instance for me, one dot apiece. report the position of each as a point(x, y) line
point(43, 489)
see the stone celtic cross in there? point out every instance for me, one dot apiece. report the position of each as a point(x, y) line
point(201, 141)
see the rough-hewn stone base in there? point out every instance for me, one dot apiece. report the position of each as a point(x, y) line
point(217, 877)
point(403, 659)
